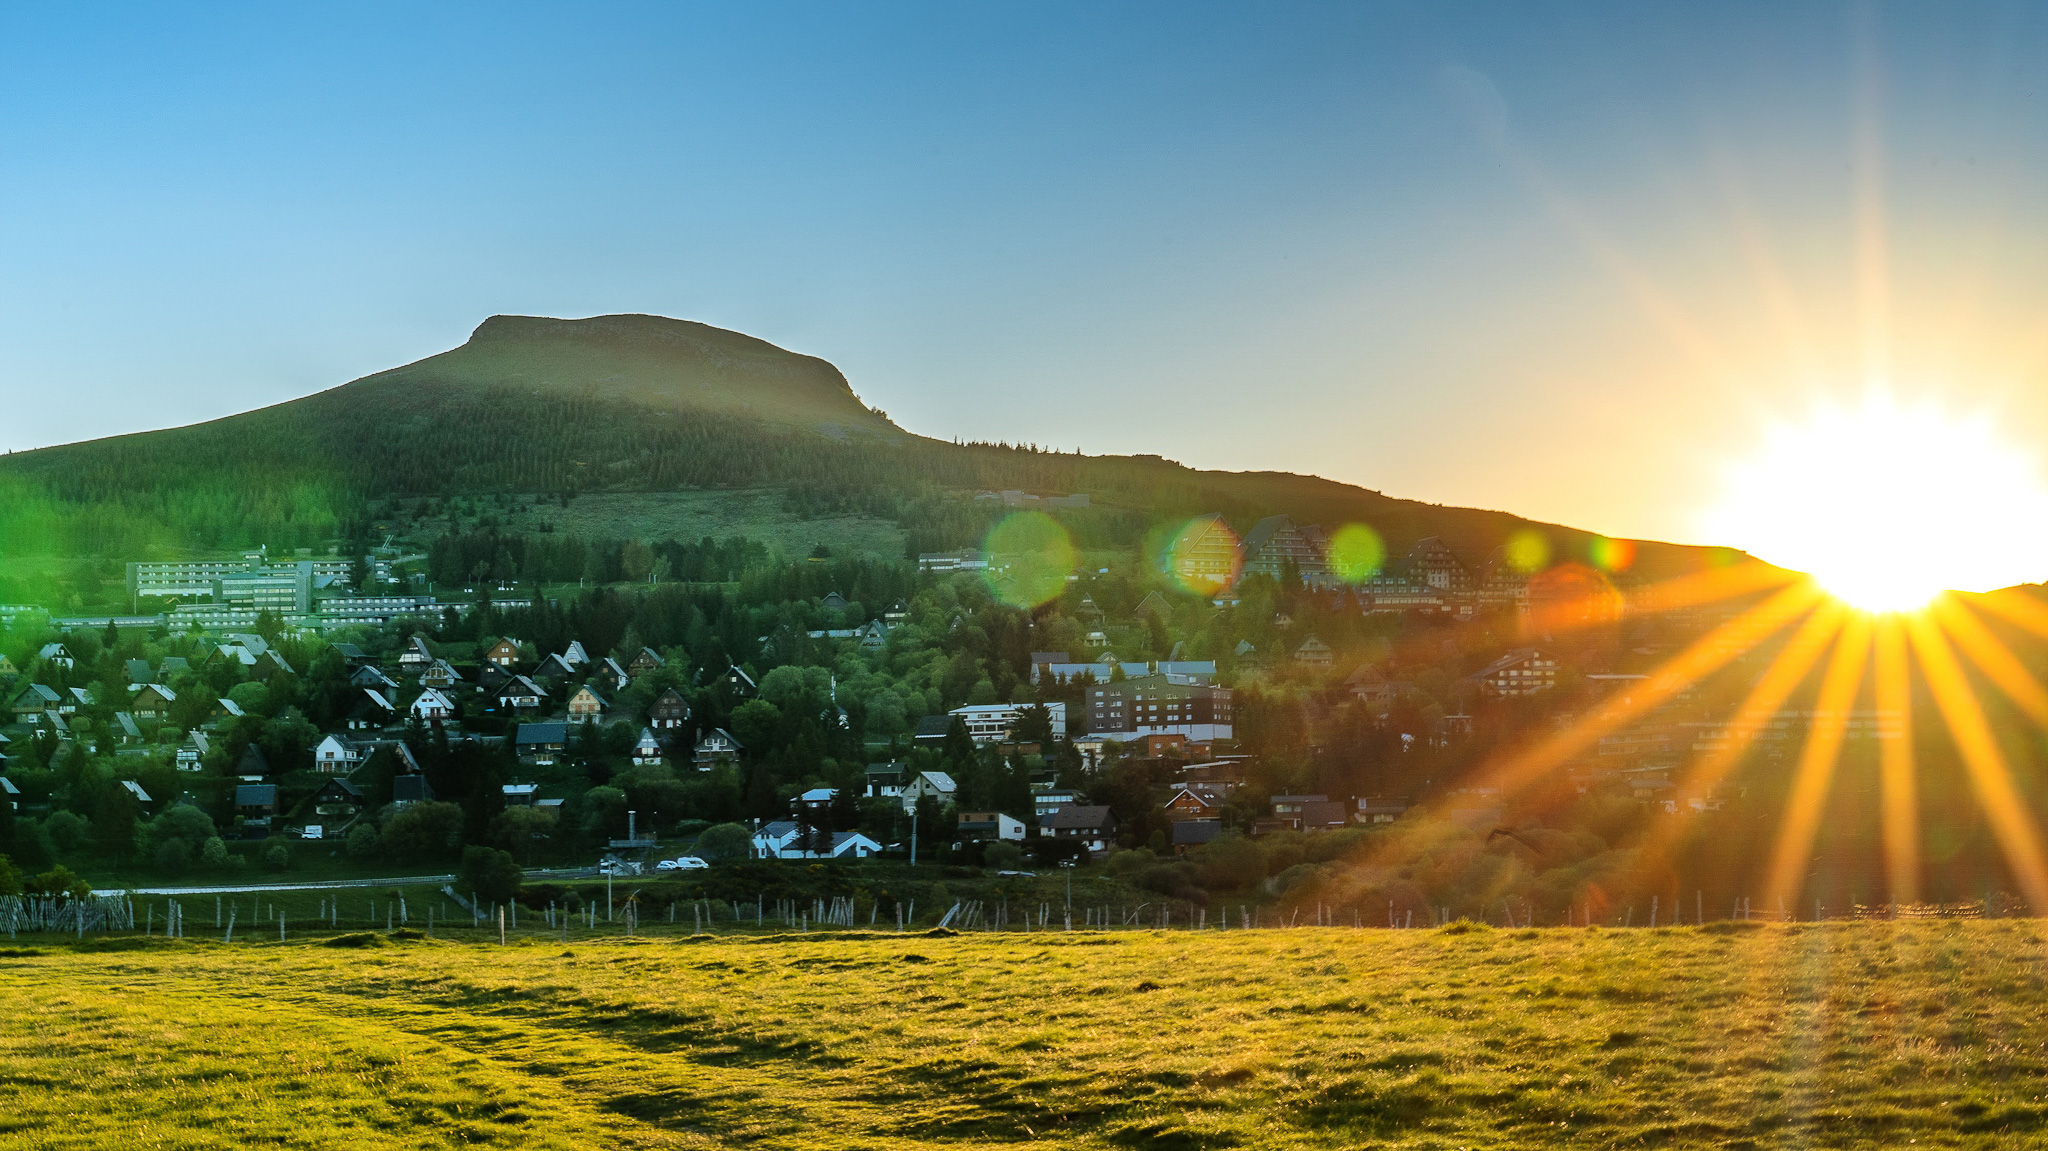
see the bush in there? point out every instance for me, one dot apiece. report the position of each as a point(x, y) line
point(362, 843)
point(1003, 856)
point(1124, 864)
point(214, 853)
point(59, 881)
point(424, 832)
point(277, 856)
point(68, 831)
point(10, 879)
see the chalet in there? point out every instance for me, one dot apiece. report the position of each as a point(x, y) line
point(873, 635)
point(521, 694)
point(407, 790)
point(373, 711)
point(742, 684)
point(1191, 833)
point(669, 712)
point(256, 802)
point(440, 675)
point(81, 699)
point(1524, 671)
point(519, 794)
point(1314, 653)
point(351, 655)
point(553, 667)
point(648, 749)
point(833, 601)
point(503, 654)
point(1303, 813)
point(271, 663)
point(1093, 827)
point(541, 742)
point(126, 729)
point(784, 839)
point(574, 655)
point(230, 655)
point(586, 706)
point(56, 655)
point(984, 826)
point(223, 711)
point(254, 765)
point(612, 672)
point(1155, 606)
point(490, 677)
point(716, 747)
point(336, 755)
point(644, 662)
point(35, 700)
point(7, 668)
point(416, 657)
point(338, 798)
point(370, 675)
point(433, 707)
point(936, 784)
point(192, 752)
point(1189, 803)
point(139, 674)
point(9, 792)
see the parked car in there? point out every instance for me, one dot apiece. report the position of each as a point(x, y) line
point(681, 863)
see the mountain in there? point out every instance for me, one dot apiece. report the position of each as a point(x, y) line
point(641, 404)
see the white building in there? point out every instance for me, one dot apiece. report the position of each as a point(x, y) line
point(995, 722)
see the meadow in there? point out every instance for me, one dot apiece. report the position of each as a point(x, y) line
point(1731, 1035)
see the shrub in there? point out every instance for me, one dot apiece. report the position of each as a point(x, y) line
point(277, 856)
point(725, 841)
point(488, 875)
point(362, 844)
point(214, 853)
point(1003, 856)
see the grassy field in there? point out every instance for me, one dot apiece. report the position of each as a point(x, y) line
point(1839, 1035)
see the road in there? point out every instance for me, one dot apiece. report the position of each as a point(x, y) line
point(398, 881)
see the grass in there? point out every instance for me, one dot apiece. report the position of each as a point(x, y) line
point(1842, 1035)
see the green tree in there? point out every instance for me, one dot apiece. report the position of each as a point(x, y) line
point(725, 841)
point(487, 874)
point(10, 879)
point(754, 724)
point(214, 853)
point(363, 843)
point(424, 833)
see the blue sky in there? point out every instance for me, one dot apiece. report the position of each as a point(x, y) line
point(1560, 259)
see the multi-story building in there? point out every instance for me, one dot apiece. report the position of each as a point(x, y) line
point(1205, 554)
point(997, 722)
point(1524, 671)
point(1275, 542)
point(1159, 705)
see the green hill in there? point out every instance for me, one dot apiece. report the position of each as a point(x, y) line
point(617, 404)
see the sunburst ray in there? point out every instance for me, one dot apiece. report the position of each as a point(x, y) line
point(1899, 804)
point(1817, 759)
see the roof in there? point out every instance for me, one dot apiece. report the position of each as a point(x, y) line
point(939, 780)
point(542, 733)
point(818, 795)
point(135, 789)
point(1194, 832)
point(1507, 661)
point(1077, 816)
point(256, 795)
point(138, 671)
point(776, 829)
point(411, 788)
point(520, 788)
point(721, 732)
point(343, 786)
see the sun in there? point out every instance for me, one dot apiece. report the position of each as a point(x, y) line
point(1887, 506)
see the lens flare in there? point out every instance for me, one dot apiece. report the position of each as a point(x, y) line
point(1611, 555)
point(1527, 550)
point(1202, 556)
point(1887, 505)
point(1029, 556)
point(1356, 553)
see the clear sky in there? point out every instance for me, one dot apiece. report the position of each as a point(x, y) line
point(1565, 260)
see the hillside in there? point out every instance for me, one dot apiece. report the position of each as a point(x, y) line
point(1842, 1035)
point(635, 404)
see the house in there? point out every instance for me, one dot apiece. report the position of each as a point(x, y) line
point(7, 668)
point(815, 801)
point(407, 790)
point(833, 601)
point(1052, 799)
point(884, 781)
point(503, 654)
point(338, 799)
point(9, 792)
point(574, 656)
point(81, 697)
point(784, 839)
point(519, 794)
point(126, 729)
point(193, 751)
point(1093, 827)
point(223, 711)
point(336, 755)
point(648, 749)
point(997, 722)
point(614, 674)
point(35, 700)
point(253, 764)
point(873, 635)
point(350, 654)
point(372, 711)
point(644, 662)
point(520, 694)
point(1190, 833)
point(553, 667)
point(1524, 671)
point(416, 657)
point(1314, 653)
point(440, 674)
point(370, 675)
point(773, 837)
point(172, 667)
point(1380, 809)
point(989, 825)
point(851, 845)
point(936, 784)
point(742, 684)
point(1303, 813)
point(1189, 803)
point(56, 654)
point(541, 741)
point(716, 747)
point(586, 706)
point(256, 802)
point(271, 663)
point(669, 712)
point(135, 789)
point(139, 674)
point(433, 707)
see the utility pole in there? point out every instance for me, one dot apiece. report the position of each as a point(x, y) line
point(913, 834)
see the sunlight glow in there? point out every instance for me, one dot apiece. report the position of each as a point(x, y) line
point(1888, 505)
